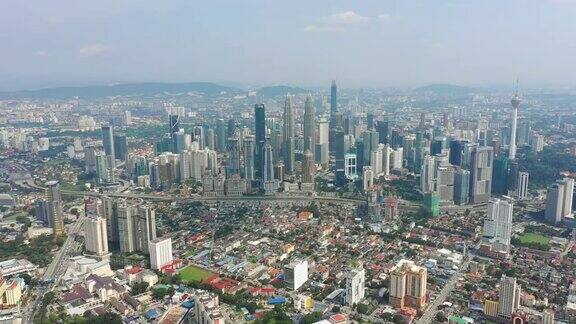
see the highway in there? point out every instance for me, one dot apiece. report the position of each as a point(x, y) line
point(53, 271)
point(432, 309)
point(167, 198)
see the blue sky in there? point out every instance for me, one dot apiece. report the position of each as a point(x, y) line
point(370, 43)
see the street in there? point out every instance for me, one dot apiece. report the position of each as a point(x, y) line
point(53, 271)
point(432, 309)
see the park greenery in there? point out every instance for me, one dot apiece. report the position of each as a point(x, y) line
point(545, 167)
point(192, 273)
point(37, 251)
point(533, 241)
point(275, 316)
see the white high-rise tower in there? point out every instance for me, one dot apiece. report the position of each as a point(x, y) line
point(515, 104)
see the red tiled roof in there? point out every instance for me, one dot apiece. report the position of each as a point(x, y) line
point(77, 292)
point(133, 270)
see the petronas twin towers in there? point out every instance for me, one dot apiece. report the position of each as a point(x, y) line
point(289, 136)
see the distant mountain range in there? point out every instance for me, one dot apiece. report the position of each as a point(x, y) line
point(208, 89)
point(445, 89)
point(128, 89)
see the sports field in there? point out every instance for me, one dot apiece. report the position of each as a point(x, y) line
point(192, 273)
point(534, 238)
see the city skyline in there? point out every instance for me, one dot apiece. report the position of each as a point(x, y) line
point(331, 162)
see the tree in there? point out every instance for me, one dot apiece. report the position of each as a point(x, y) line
point(170, 291)
point(139, 288)
point(276, 316)
point(440, 317)
point(27, 278)
point(398, 319)
point(311, 318)
point(362, 308)
point(159, 293)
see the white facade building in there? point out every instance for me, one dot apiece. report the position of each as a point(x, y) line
point(498, 224)
point(368, 178)
point(509, 300)
point(96, 235)
point(296, 274)
point(355, 281)
point(160, 252)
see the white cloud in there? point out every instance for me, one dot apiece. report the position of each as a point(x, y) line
point(94, 49)
point(336, 22)
point(344, 18)
point(41, 53)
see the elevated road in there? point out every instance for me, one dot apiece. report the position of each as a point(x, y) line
point(171, 198)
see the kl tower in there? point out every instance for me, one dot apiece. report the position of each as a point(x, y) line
point(515, 101)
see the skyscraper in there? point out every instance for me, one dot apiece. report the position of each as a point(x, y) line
point(309, 126)
point(427, 174)
point(355, 282)
point(249, 158)
point(335, 116)
point(145, 229)
point(174, 127)
point(457, 151)
point(383, 131)
point(108, 143)
point(220, 135)
point(211, 139)
point(231, 128)
point(54, 207)
point(515, 104)
point(289, 145)
point(268, 162)
point(509, 300)
point(120, 146)
point(522, 188)
point(498, 225)
point(260, 131)
point(481, 174)
point(108, 140)
point(461, 186)
point(199, 136)
point(559, 201)
point(408, 285)
point(233, 162)
point(333, 97)
point(173, 123)
point(322, 147)
point(339, 150)
point(500, 178)
point(370, 144)
point(96, 235)
point(126, 220)
point(308, 167)
point(367, 178)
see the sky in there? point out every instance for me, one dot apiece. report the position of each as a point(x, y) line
point(368, 43)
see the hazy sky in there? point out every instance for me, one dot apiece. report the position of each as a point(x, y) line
point(302, 42)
